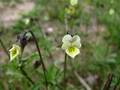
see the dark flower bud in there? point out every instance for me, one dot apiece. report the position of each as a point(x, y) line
point(37, 64)
point(23, 39)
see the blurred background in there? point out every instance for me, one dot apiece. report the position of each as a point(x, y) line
point(95, 21)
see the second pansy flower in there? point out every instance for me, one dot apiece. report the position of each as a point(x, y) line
point(15, 51)
point(71, 45)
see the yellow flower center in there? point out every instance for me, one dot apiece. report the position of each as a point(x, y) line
point(71, 49)
point(14, 52)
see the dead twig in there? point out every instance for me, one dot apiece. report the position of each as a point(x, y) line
point(108, 82)
point(82, 81)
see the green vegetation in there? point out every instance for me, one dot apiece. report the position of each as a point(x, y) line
point(97, 24)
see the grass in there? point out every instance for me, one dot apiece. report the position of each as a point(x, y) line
point(99, 53)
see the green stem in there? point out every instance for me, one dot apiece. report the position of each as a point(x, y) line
point(21, 67)
point(26, 75)
point(41, 59)
point(66, 23)
point(65, 69)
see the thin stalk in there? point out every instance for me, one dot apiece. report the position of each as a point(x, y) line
point(5, 49)
point(26, 75)
point(66, 23)
point(44, 36)
point(41, 59)
point(65, 58)
point(65, 69)
point(21, 68)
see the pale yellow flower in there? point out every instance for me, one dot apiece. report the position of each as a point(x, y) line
point(14, 52)
point(111, 11)
point(27, 21)
point(73, 2)
point(71, 45)
point(70, 10)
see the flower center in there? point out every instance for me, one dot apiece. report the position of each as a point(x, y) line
point(71, 49)
point(14, 52)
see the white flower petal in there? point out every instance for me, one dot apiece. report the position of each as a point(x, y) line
point(66, 38)
point(65, 45)
point(76, 44)
point(12, 57)
point(73, 2)
point(72, 51)
point(76, 41)
point(76, 38)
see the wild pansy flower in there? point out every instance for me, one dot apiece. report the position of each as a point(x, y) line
point(73, 2)
point(71, 45)
point(14, 51)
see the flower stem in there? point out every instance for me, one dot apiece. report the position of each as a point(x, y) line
point(21, 68)
point(65, 69)
point(66, 23)
point(3, 46)
point(41, 59)
point(26, 75)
